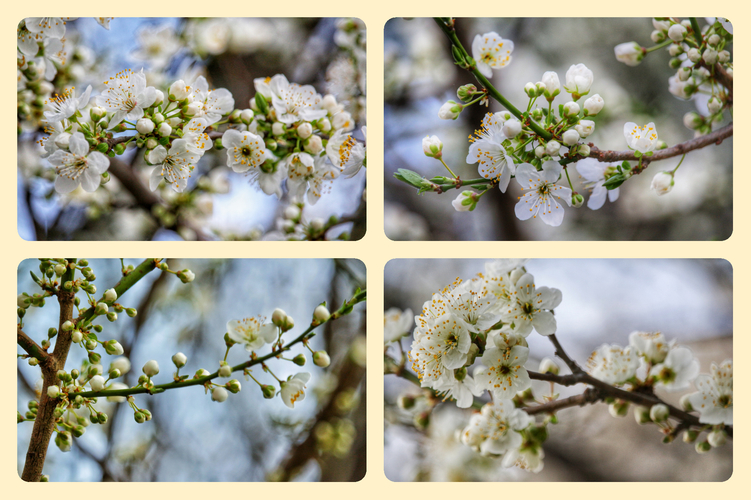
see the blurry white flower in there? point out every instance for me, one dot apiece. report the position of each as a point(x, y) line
point(490, 52)
point(714, 401)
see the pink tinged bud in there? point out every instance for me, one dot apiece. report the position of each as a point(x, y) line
point(432, 146)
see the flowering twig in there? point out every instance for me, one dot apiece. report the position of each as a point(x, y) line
point(715, 137)
point(304, 336)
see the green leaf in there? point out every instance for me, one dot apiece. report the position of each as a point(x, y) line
point(410, 177)
point(35, 278)
point(614, 182)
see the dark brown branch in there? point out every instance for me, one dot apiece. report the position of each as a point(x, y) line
point(130, 181)
point(715, 137)
point(31, 347)
point(589, 396)
point(562, 354)
point(44, 424)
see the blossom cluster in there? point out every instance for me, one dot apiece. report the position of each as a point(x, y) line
point(288, 138)
point(650, 360)
point(538, 145)
point(471, 338)
point(75, 392)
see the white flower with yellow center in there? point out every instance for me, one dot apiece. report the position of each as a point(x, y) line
point(443, 346)
point(495, 430)
point(466, 300)
point(490, 52)
point(346, 153)
point(458, 385)
point(293, 389)
point(503, 373)
point(78, 166)
point(49, 27)
point(63, 106)
point(252, 333)
point(653, 346)
point(245, 150)
point(397, 324)
point(311, 175)
point(613, 364)
point(677, 370)
point(714, 401)
point(640, 138)
point(211, 104)
point(174, 166)
point(127, 95)
point(531, 306)
point(293, 102)
point(544, 194)
point(486, 149)
point(528, 457)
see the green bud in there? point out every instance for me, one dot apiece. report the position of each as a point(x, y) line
point(139, 417)
point(131, 312)
point(102, 147)
point(268, 390)
point(300, 359)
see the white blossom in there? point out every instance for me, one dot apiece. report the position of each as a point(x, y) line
point(662, 182)
point(640, 138)
point(174, 166)
point(65, 105)
point(543, 195)
point(486, 149)
point(252, 333)
point(714, 401)
point(490, 52)
point(77, 166)
point(613, 364)
point(594, 172)
point(494, 430)
point(677, 370)
point(293, 389)
point(503, 371)
point(397, 324)
point(126, 95)
point(293, 102)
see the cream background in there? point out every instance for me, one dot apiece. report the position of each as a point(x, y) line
point(374, 249)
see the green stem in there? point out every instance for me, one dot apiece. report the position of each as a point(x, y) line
point(679, 164)
point(359, 297)
point(658, 46)
point(447, 168)
point(492, 91)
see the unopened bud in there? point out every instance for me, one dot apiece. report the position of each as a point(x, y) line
point(321, 358)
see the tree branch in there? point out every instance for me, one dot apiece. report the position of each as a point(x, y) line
point(32, 348)
point(589, 396)
point(715, 137)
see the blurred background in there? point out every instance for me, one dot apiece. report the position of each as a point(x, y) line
point(604, 300)
point(191, 438)
point(420, 76)
point(218, 203)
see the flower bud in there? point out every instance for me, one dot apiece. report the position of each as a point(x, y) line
point(593, 105)
point(76, 336)
point(300, 359)
point(33, 361)
point(723, 56)
point(540, 151)
point(690, 436)
point(677, 32)
point(202, 372)
point(631, 53)
point(512, 128)
point(164, 129)
point(321, 358)
point(246, 116)
point(465, 202)
point(268, 391)
point(585, 128)
point(122, 363)
point(702, 447)
point(305, 130)
point(577, 200)
point(178, 91)
point(233, 386)
point(570, 109)
point(466, 92)
point(694, 55)
point(97, 113)
point(277, 128)
point(584, 150)
point(717, 438)
point(641, 414)
point(618, 409)
point(225, 370)
point(709, 56)
point(131, 311)
point(112, 316)
point(686, 403)
point(97, 383)
point(278, 317)
point(179, 359)
point(406, 401)
point(714, 105)
point(139, 417)
point(144, 126)
point(110, 295)
point(659, 413)
point(552, 148)
point(552, 84)
point(530, 89)
point(53, 391)
point(324, 124)
point(186, 275)
point(314, 145)
point(657, 36)
point(113, 347)
point(570, 137)
point(662, 183)
point(151, 368)
point(432, 147)
point(321, 314)
point(450, 111)
point(115, 373)
point(67, 326)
